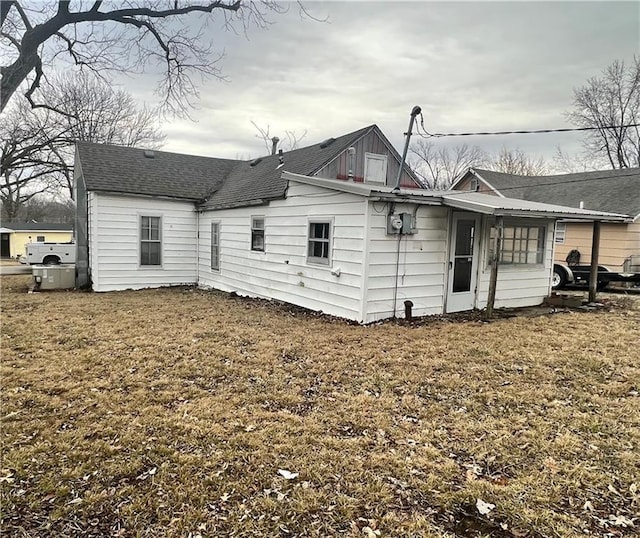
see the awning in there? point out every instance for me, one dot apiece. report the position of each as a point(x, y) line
point(512, 207)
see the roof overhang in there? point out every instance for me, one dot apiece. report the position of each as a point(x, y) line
point(485, 204)
point(376, 192)
point(512, 207)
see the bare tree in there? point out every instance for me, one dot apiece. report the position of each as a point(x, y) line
point(43, 208)
point(140, 35)
point(38, 145)
point(437, 167)
point(515, 161)
point(30, 146)
point(611, 104)
point(292, 141)
point(94, 111)
point(566, 163)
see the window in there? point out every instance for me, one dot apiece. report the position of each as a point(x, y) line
point(150, 241)
point(40, 238)
point(319, 242)
point(375, 168)
point(521, 245)
point(215, 246)
point(561, 232)
point(257, 234)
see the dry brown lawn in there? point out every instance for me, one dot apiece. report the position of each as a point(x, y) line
point(170, 413)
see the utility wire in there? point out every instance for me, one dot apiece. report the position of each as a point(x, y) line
point(528, 185)
point(427, 134)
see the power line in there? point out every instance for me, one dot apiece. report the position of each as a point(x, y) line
point(528, 185)
point(427, 134)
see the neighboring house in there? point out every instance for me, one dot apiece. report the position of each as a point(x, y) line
point(14, 236)
point(614, 191)
point(321, 227)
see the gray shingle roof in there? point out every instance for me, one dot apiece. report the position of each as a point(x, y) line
point(216, 182)
point(127, 170)
point(246, 183)
point(613, 191)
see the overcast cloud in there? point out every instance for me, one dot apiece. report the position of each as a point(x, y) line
point(474, 66)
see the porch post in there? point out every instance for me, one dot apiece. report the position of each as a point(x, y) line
point(497, 245)
point(595, 252)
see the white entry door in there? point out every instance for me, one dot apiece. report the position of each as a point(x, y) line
point(463, 261)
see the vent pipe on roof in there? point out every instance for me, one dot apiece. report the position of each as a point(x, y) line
point(351, 163)
point(149, 154)
point(274, 144)
point(581, 204)
point(414, 112)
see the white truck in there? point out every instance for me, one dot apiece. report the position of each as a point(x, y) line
point(50, 253)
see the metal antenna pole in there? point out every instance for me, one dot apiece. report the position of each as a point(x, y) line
point(416, 110)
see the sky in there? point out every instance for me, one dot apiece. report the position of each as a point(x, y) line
point(470, 66)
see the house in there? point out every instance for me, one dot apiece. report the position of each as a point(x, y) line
point(323, 227)
point(14, 236)
point(614, 191)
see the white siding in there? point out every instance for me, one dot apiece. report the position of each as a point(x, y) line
point(114, 242)
point(517, 285)
point(282, 272)
point(421, 266)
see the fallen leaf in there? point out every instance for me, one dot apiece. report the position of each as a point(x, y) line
point(287, 475)
point(483, 507)
point(620, 521)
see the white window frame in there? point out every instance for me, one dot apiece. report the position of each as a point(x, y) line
point(518, 253)
point(258, 231)
point(141, 240)
point(375, 157)
point(560, 232)
point(317, 260)
point(216, 246)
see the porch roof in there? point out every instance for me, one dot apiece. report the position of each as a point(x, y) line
point(475, 202)
point(488, 204)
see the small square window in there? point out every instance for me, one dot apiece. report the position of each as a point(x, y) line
point(40, 239)
point(257, 234)
point(375, 168)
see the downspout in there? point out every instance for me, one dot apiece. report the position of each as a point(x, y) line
point(197, 248)
point(395, 286)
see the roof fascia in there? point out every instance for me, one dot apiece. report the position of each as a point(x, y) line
point(141, 195)
point(333, 184)
point(377, 193)
point(487, 183)
point(478, 207)
point(234, 205)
